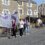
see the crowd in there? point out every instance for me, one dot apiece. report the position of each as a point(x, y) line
point(13, 23)
point(21, 27)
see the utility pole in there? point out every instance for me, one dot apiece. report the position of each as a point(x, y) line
point(43, 7)
point(29, 11)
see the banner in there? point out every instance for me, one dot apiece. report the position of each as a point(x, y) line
point(15, 16)
point(5, 21)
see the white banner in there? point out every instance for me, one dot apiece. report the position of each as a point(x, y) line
point(5, 21)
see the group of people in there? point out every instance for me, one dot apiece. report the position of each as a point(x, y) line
point(23, 24)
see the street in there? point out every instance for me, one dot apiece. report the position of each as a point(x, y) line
point(36, 37)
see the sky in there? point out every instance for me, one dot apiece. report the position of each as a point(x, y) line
point(39, 1)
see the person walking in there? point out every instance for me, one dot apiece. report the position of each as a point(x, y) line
point(21, 27)
point(14, 27)
point(27, 27)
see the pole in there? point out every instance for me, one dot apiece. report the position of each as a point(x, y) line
point(29, 18)
point(29, 12)
point(42, 7)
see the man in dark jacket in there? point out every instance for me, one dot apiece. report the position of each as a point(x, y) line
point(14, 28)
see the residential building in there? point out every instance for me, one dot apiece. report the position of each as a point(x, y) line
point(25, 10)
point(41, 9)
point(8, 6)
point(21, 6)
point(32, 10)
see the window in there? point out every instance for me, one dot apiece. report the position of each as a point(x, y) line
point(30, 4)
point(6, 2)
point(29, 12)
point(5, 11)
point(35, 12)
point(19, 2)
point(20, 11)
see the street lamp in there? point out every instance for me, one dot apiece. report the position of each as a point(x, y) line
point(29, 11)
point(43, 1)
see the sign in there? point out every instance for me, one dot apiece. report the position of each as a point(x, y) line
point(5, 21)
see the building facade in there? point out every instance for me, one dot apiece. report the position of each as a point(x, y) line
point(33, 9)
point(22, 7)
point(8, 6)
point(25, 10)
point(41, 9)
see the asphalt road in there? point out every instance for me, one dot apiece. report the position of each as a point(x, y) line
point(35, 37)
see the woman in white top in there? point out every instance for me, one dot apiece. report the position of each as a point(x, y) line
point(21, 27)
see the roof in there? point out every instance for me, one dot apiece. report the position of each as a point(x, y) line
point(31, 1)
